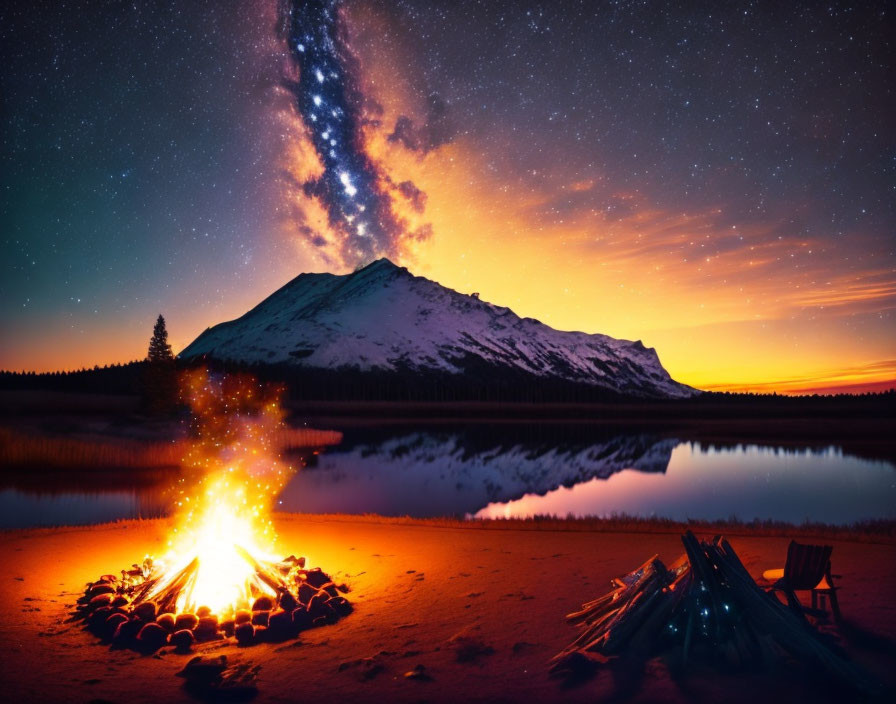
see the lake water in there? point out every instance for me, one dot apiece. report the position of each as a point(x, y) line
point(518, 470)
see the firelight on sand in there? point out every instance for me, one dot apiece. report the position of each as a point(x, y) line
point(232, 476)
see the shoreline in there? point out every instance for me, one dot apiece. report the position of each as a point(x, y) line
point(419, 589)
point(875, 532)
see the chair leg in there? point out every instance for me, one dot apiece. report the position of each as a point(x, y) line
point(835, 607)
point(794, 602)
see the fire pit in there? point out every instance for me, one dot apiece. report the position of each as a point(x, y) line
point(218, 578)
point(139, 609)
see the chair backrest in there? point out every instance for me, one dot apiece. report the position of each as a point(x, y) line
point(806, 564)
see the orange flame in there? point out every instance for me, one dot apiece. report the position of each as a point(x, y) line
point(232, 476)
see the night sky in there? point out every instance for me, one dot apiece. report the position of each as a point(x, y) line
point(718, 180)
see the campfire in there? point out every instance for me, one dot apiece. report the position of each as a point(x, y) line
point(219, 577)
point(705, 607)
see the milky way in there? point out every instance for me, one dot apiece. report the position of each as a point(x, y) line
point(331, 107)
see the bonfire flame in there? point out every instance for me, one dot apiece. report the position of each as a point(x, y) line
point(232, 477)
point(218, 578)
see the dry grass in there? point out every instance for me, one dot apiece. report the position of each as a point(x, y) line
point(881, 532)
point(22, 449)
point(25, 449)
point(877, 531)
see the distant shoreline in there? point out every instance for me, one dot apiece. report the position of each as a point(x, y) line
point(861, 426)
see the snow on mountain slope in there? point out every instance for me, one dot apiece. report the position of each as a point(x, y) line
point(382, 317)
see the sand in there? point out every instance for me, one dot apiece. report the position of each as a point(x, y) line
point(420, 591)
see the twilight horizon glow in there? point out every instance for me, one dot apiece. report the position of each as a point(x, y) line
point(716, 181)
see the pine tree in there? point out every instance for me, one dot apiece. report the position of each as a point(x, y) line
point(159, 349)
point(160, 373)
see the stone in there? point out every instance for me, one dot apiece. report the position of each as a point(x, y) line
point(287, 601)
point(280, 626)
point(207, 628)
point(316, 577)
point(100, 588)
point(146, 611)
point(112, 624)
point(340, 605)
point(242, 616)
point(317, 605)
point(98, 618)
point(182, 640)
point(100, 600)
point(203, 611)
point(263, 603)
point(151, 637)
point(418, 673)
point(186, 620)
point(166, 621)
point(204, 669)
point(306, 591)
point(226, 627)
point(260, 618)
point(301, 619)
point(244, 633)
point(127, 632)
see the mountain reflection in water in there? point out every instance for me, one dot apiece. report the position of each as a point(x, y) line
point(498, 470)
point(432, 473)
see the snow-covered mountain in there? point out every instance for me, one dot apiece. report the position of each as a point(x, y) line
point(384, 318)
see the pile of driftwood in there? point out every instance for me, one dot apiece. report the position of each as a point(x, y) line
point(138, 609)
point(704, 607)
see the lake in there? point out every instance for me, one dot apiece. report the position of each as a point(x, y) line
point(495, 470)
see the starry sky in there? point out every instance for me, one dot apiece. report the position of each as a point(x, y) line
point(715, 179)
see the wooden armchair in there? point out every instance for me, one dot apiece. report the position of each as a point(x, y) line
point(808, 568)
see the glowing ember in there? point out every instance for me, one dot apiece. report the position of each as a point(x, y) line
point(232, 476)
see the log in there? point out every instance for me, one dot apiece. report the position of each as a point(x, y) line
point(712, 598)
point(269, 576)
point(167, 594)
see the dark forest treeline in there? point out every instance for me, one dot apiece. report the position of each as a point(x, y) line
point(115, 379)
point(480, 385)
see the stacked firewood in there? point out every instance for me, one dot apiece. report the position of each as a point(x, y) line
point(704, 607)
point(132, 611)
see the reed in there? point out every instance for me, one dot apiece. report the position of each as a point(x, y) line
point(22, 449)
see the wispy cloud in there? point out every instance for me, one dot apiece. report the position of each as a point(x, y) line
point(873, 376)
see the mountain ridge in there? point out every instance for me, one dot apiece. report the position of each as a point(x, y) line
point(384, 318)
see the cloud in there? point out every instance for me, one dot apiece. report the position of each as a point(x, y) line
point(436, 130)
point(861, 378)
point(413, 195)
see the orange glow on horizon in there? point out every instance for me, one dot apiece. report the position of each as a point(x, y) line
point(728, 305)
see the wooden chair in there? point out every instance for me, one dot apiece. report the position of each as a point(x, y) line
point(808, 568)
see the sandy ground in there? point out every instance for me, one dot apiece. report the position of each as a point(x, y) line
point(417, 590)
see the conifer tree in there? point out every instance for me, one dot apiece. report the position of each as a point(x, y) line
point(159, 349)
point(160, 373)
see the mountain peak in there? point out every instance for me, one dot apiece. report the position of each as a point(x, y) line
point(379, 267)
point(382, 263)
point(383, 318)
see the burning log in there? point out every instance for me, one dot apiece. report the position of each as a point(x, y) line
point(705, 606)
point(145, 615)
